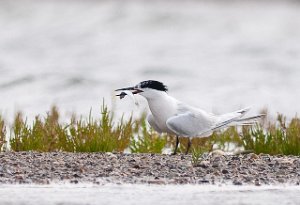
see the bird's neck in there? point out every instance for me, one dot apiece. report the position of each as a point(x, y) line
point(162, 105)
point(157, 96)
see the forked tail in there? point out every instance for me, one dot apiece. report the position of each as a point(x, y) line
point(236, 118)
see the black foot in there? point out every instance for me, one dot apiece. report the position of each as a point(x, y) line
point(188, 146)
point(176, 146)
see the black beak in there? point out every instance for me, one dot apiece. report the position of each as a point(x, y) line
point(132, 89)
point(128, 88)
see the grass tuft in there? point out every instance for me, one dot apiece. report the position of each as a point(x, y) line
point(280, 138)
point(145, 141)
point(44, 135)
point(100, 135)
point(47, 134)
point(197, 153)
point(78, 136)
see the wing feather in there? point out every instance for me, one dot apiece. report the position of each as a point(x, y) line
point(191, 124)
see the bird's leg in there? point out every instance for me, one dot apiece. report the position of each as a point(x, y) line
point(188, 145)
point(176, 146)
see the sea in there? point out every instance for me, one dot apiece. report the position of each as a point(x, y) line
point(126, 194)
point(216, 55)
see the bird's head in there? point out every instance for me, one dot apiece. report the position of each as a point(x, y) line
point(148, 89)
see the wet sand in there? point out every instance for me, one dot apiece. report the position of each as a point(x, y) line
point(119, 168)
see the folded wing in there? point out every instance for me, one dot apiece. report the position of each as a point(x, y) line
point(198, 123)
point(191, 124)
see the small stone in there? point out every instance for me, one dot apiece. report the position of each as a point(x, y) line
point(75, 181)
point(217, 158)
point(286, 162)
point(68, 165)
point(248, 178)
point(108, 169)
point(257, 182)
point(19, 177)
point(203, 181)
point(76, 175)
point(204, 164)
point(225, 171)
point(132, 160)
point(159, 182)
point(218, 153)
point(237, 182)
point(157, 163)
point(253, 156)
point(136, 166)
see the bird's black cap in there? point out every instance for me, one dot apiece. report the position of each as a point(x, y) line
point(153, 84)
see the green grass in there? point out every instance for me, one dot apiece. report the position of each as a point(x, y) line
point(44, 135)
point(146, 140)
point(79, 135)
point(197, 153)
point(101, 134)
point(277, 138)
point(2, 134)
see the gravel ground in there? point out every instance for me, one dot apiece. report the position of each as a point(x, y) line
point(102, 168)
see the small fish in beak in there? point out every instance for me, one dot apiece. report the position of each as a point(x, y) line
point(129, 93)
point(122, 95)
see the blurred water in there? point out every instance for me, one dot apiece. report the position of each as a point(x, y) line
point(146, 194)
point(217, 55)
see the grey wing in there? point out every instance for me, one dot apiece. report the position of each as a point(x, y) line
point(191, 124)
point(152, 123)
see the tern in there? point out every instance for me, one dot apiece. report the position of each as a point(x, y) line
point(171, 116)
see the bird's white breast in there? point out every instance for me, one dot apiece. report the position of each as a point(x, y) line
point(162, 108)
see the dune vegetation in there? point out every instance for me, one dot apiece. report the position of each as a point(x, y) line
point(135, 136)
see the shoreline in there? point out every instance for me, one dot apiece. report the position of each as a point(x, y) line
point(118, 168)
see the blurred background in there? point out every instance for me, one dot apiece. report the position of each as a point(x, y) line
point(218, 55)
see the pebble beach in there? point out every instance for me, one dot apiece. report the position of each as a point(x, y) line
point(120, 168)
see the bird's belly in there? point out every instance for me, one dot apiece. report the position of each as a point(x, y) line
point(160, 120)
point(163, 127)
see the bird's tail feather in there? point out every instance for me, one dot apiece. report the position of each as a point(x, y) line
point(243, 111)
point(239, 121)
point(246, 121)
point(251, 119)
